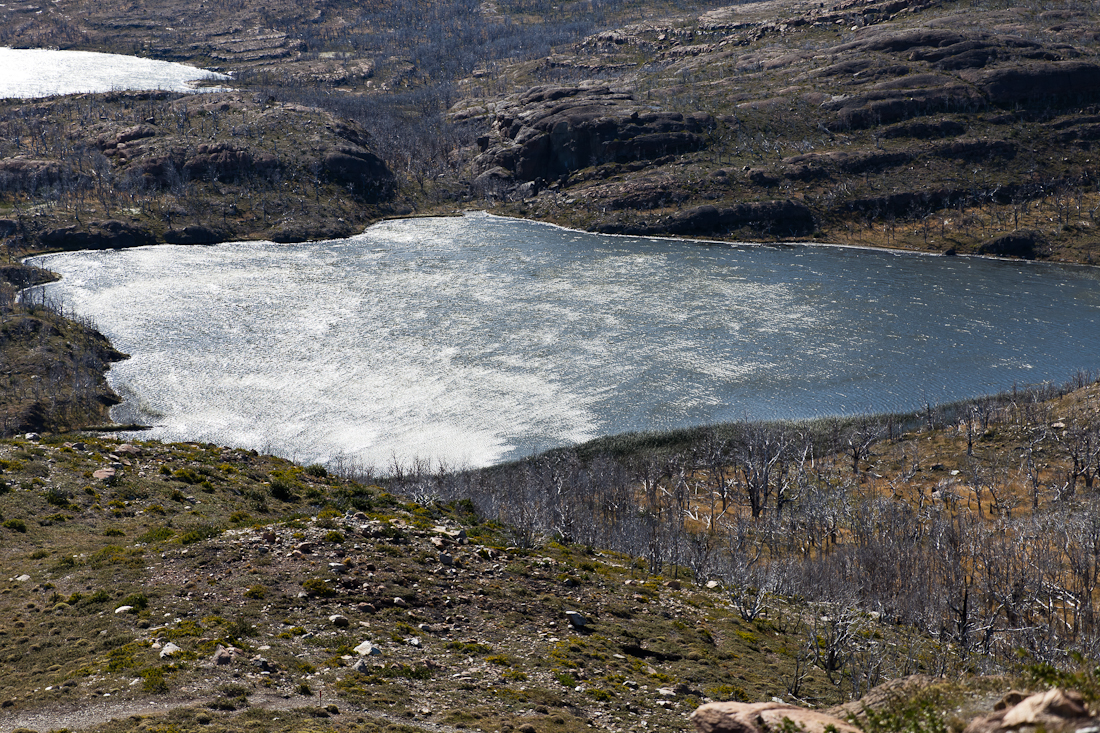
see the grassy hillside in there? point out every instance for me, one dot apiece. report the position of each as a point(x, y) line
point(188, 586)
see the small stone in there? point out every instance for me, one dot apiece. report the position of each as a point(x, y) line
point(31, 436)
point(263, 664)
point(712, 584)
point(169, 649)
point(366, 608)
point(400, 602)
point(124, 609)
point(340, 622)
point(222, 655)
point(673, 585)
point(360, 665)
point(305, 548)
point(338, 568)
point(367, 649)
point(413, 642)
point(104, 473)
point(446, 559)
point(666, 692)
point(22, 578)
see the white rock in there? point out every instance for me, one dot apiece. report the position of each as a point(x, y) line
point(367, 649)
point(169, 649)
point(339, 621)
point(124, 609)
point(22, 578)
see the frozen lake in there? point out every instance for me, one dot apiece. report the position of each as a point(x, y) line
point(480, 339)
point(36, 72)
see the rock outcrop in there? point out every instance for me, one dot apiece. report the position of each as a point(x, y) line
point(1053, 711)
point(549, 131)
point(108, 234)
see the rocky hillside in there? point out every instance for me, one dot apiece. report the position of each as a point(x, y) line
point(939, 126)
point(121, 170)
point(926, 125)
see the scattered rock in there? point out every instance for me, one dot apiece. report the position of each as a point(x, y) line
point(124, 609)
point(576, 620)
point(169, 649)
point(104, 473)
point(340, 622)
point(223, 655)
point(367, 649)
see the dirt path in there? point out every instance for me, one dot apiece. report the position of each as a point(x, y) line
point(81, 716)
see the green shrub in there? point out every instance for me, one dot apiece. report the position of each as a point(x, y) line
point(256, 592)
point(187, 475)
point(138, 600)
point(282, 489)
point(316, 470)
point(334, 536)
point(565, 679)
point(156, 534)
point(154, 680)
point(198, 533)
point(113, 532)
point(319, 587)
point(17, 524)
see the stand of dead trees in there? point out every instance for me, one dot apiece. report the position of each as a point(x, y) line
point(776, 511)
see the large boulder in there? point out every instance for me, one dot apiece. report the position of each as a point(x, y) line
point(1053, 711)
point(765, 717)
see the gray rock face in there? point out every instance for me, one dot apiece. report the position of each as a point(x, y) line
point(226, 161)
point(108, 234)
point(549, 131)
